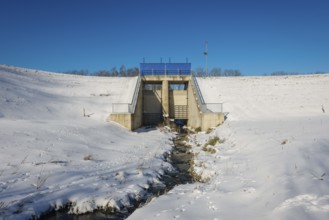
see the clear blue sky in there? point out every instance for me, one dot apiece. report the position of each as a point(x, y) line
point(255, 36)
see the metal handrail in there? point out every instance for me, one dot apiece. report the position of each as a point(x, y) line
point(205, 107)
point(132, 106)
point(195, 82)
point(200, 99)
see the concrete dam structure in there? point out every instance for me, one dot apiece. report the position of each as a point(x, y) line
point(165, 93)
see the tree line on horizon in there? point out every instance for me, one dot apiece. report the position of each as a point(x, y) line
point(114, 72)
point(134, 71)
point(284, 73)
point(216, 71)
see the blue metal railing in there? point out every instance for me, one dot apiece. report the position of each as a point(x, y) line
point(155, 72)
point(165, 69)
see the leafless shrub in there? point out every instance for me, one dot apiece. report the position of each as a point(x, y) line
point(2, 205)
point(86, 115)
point(23, 161)
point(40, 182)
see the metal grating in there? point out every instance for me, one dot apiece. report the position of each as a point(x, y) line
point(179, 112)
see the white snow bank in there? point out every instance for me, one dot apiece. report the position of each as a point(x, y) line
point(273, 163)
point(273, 97)
point(50, 154)
point(33, 94)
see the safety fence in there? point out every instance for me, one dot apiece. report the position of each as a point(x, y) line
point(161, 69)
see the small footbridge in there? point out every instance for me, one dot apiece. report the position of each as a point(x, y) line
point(164, 93)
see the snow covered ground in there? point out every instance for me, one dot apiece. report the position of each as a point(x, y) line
point(50, 154)
point(273, 159)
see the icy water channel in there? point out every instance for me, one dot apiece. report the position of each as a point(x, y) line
point(180, 158)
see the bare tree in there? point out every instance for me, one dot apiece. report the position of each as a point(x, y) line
point(103, 73)
point(232, 73)
point(114, 72)
point(123, 71)
point(199, 71)
point(129, 72)
point(78, 72)
point(237, 73)
point(135, 71)
point(216, 71)
point(279, 73)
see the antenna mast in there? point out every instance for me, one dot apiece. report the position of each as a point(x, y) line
point(206, 55)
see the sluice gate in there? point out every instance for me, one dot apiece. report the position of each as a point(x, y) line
point(164, 93)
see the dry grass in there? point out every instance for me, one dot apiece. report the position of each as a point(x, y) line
point(209, 130)
point(88, 157)
point(214, 140)
point(198, 129)
point(284, 142)
point(209, 149)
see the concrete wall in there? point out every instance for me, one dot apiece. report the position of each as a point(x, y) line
point(199, 119)
point(196, 118)
point(124, 119)
point(165, 101)
point(137, 117)
point(152, 101)
point(211, 120)
point(178, 97)
point(131, 121)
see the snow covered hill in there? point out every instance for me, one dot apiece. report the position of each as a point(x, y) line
point(50, 154)
point(272, 160)
point(33, 94)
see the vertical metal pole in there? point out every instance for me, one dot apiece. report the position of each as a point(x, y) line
point(206, 55)
point(165, 70)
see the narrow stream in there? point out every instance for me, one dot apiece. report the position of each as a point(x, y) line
point(180, 158)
